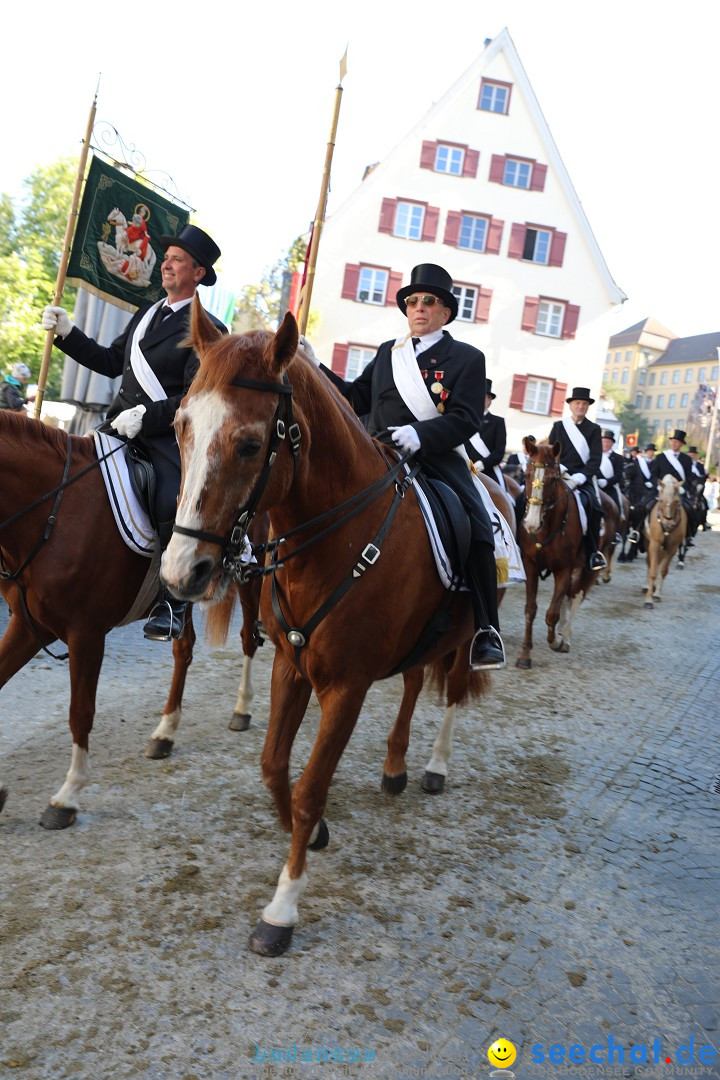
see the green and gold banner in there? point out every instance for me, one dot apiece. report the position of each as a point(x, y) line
point(116, 253)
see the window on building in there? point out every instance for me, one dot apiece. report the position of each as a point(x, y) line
point(454, 159)
point(449, 159)
point(660, 401)
point(628, 356)
point(642, 376)
point(663, 378)
point(536, 394)
point(517, 173)
point(525, 173)
point(668, 426)
point(651, 380)
point(688, 375)
point(676, 375)
point(550, 317)
point(618, 355)
point(625, 375)
point(684, 401)
point(607, 359)
point(615, 375)
point(473, 302)
point(494, 97)
point(473, 232)
point(648, 402)
point(702, 374)
point(358, 358)
point(537, 244)
point(714, 373)
point(656, 428)
point(672, 401)
point(639, 400)
point(409, 220)
point(370, 284)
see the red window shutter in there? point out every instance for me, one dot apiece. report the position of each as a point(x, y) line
point(482, 308)
point(529, 319)
point(494, 236)
point(387, 215)
point(430, 224)
point(351, 281)
point(557, 249)
point(470, 165)
point(428, 154)
point(537, 180)
point(570, 322)
point(517, 394)
point(453, 221)
point(339, 359)
point(497, 169)
point(394, 283)
point(558, 399)
point(517, 241)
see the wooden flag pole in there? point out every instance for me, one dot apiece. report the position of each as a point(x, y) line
point(65, 257)
point(306, 293)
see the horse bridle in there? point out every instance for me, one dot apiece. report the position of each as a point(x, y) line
point(547, 505)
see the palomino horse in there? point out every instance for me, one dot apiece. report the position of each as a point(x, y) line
point(551, 541)
point(351, 592)
point(66, 574)
point(665, 528)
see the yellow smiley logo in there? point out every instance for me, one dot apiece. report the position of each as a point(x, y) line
point(501, 1054)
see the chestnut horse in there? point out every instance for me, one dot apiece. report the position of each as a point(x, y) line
point(67, 574)
point(665, 528)
point(350, 587)
point(551, 542)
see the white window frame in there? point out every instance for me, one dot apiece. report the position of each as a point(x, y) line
point(538, 395)
point(496, 94)
point(449, 159)
point(550, 319)
point(688, 375)
point(516, 171)
point(467, 298)
point(684, 401)
point(672, 401)
point(409, 220)
point(541, 247)
point(474, 222)
point(372, 285)
point(358, 358)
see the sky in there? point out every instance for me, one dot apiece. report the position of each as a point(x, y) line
point(234, 102)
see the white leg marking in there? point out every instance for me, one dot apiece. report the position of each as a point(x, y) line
point(77, 778)
point(168, 726)
point(245, 690)
point(282, 909)
point(442, 747)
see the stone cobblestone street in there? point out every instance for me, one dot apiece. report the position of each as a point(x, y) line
point(562, 893)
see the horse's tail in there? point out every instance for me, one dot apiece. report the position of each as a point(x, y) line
point(452, 681)
point(218, 619)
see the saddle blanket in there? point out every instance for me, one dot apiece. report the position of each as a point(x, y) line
point(132, 520)
point(508, 559)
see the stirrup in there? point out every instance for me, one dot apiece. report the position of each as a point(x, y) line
point(633, 536)
point(487, 652)
point(597, 562)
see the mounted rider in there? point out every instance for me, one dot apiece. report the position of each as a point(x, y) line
point(678, 465)
point(581, 453)
point(641, 489)
point(611, 473)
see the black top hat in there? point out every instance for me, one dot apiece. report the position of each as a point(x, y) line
point(651, 446)
point(428, 277)
point(634, 449)
point(679, 435)
point(198, 244)
point(692, 449)
point(580, 393)
point(607, 434)
point(488, 389)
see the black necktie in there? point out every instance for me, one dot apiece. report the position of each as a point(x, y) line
point(162, 313)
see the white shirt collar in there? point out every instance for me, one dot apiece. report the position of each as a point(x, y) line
point(427, 340)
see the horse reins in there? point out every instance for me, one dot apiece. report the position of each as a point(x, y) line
point(546, 507)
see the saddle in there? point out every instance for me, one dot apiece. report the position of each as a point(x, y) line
point(451, 519)
point(142, 479)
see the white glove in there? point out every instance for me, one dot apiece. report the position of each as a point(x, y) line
point(406, 438)
point(57, 319)
point(479, 465)
point(648, 484)
point(602, 483)
point(308, 349)
point(578, 478)
point(129, 422)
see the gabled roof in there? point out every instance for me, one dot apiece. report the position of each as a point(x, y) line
point(700, 347)
point(649, 332)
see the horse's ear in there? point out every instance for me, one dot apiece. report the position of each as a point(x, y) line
point(203, 331)
point(285, 342)
point(557, 449)
point(530, 446)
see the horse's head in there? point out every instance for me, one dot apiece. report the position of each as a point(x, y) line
point(116, 217)
point(542, 480)
point(232, 428)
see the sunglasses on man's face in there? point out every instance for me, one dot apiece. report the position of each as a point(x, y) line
point(427, 301)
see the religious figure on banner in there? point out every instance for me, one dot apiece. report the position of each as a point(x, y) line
point(131, 257)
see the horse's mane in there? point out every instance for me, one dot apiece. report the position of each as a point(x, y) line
point(20, 429)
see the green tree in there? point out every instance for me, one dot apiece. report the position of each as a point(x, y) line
point(261, 307)
point(629, 416)
point(32, 229)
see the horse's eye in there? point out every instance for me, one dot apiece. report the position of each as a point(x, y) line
point(248, 448)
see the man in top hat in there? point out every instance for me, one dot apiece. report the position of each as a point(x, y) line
point(156, 372)
point(641, 487)
point(698, 480)
point(581, 453)
point(678, 465)
point(610, 478)
point(428, 391)
point(486, 448)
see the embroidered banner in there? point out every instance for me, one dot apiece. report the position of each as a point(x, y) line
point(116, 253)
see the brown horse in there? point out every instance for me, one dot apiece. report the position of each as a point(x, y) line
point(66, 574)
point(551, 542)
point(351, 593)
point(665, 528)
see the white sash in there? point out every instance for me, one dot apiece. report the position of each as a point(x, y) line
point(577, 439)
point(141, 369)
point(411, 387)
point(480, 445)
point(606, 467)
point(644, 467)
point(675, 464)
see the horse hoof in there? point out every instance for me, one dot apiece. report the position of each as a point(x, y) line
point(649, 605)
point(269, 940)
point(681, 566)
point(433, 783)
point(322, 839)
point(394, 785)
point(158, 749)
point(240, 721)
point(564, 647)
point(58, 817)
point(3, 796)
point(555, 645)
point(524, 663)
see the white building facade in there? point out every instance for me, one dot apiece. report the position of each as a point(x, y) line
point(478, 186)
